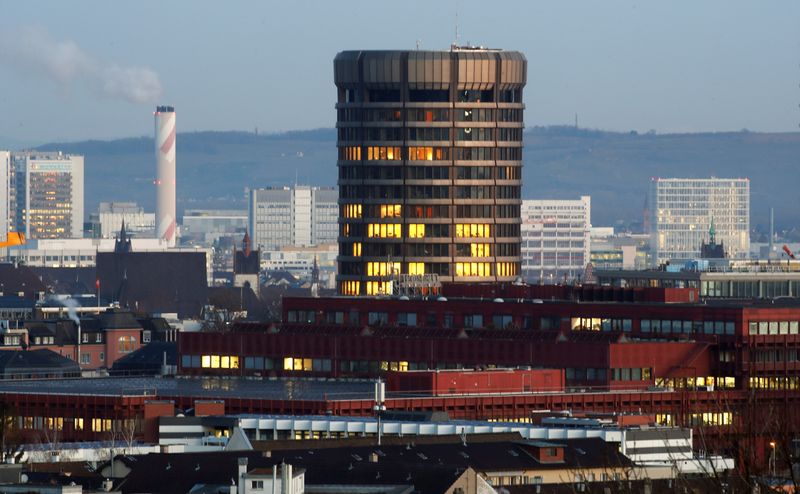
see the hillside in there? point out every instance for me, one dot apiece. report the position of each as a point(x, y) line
point(560, 162)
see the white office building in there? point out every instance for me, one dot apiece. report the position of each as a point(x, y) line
point(298, 216)
point(555, 239)
point(5, 193)
point(206, 226)
point(682, 211)
point(107, 222)
point(47, 194)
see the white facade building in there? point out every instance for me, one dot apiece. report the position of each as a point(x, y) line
point(110, 215)
point(47, 194)
point(299, 216)
point(206, 226)
point(682, 211)
point(5, 193)
point(555, 239)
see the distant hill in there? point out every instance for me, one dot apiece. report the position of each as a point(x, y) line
point(560, 162)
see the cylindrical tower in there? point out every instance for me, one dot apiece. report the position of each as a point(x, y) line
point(430, 166)
point(165, 174)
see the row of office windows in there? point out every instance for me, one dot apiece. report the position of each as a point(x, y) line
point(391, 172)
point(429, 115)
point(772, 327)
point(57, 423)
point(774, 382)
point(212, 361)
point(429, 153)
point(512, 134)
point(462, 230)
point(702, 382)
point(356, 211)
point(774, 355)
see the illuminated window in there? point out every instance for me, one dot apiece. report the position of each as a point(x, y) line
point(479, 250)
point(416, 230)
point(384, 230)
point(206, 361)
point(125, 344)
point(506, 269)
point(101, 425)
point(351, 153)
point(416, 268)
point(78, 424)
point(383, 268)
point(215, 361)
point(426, 153)
point(379, 288)
point(472, 230)
point(54, 423)
point(351, 287)
point(473, 269)
point(391, 210)
point(352, 210)
point(389, 153)
point(297, 364)
point(357, 249)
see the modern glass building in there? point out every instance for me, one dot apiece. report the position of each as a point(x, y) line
point(430, 166)
point(47, 196)
point(682, 211)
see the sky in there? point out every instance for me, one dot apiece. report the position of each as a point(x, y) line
point(95, 69)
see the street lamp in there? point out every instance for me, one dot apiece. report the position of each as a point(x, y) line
point(772, 458)
point(379, 407)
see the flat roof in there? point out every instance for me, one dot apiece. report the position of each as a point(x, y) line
point(321, 389)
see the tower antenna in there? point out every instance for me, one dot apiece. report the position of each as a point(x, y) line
point(458, 35)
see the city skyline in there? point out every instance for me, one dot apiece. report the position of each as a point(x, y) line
point(711, 67)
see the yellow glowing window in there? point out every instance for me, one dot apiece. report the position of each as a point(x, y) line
point(391, 210)
point(352, 210)
point(78, 424)
point(288, 363)
point(472, 230)
point(205, 361)
point(350, 287)
point(383, 153)
point(357, 249)
point(473, 269)
point(346, 230)
point(384, 230)
point(234, 362)
point(378, 288)
point(225, 362)
point(416, 230)
point(479, 250)
point(382, 268)
point(506, 269)
point(416, 268)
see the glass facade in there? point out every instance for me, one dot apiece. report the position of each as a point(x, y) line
point(682, 212)
point(430, 157)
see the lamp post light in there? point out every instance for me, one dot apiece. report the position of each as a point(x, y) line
point(379, 407)
point(772, 458)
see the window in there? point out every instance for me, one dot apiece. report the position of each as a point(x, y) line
point(125, 344)
point(383, 268)
point(85, 338)
point(86, 358)
point(384, 230)
point(257, 484)
point(473, 269)
point(145, 336)
point(101, 425)
point(467, 230)
point(390, 210)
point(78, 424)
point(416, 230)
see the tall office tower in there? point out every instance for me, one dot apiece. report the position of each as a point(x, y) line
point(165, 174)
point(683, 210)
point(430, 166)
point(298, 216)
point(5, 193)
point(555, 239)
point(47, 195)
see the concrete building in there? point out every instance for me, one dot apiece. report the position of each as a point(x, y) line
point(684, 212)
point(47, 194)
point(555, 239)
point(206, 226)
point(298, 216)
point(430, 160)
point(107, 221)
point(5, 194)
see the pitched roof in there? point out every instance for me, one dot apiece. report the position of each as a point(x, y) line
point(148, 359)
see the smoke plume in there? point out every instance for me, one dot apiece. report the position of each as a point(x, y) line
point(33, 50)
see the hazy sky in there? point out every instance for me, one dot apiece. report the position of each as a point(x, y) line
point(95, 69)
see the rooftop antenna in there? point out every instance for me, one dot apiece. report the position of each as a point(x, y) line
point(458, 35)
point(419, 43)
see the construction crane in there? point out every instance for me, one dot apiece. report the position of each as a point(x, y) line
point(13, 238)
